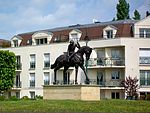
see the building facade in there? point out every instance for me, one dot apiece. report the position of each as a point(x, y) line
point(120, 49)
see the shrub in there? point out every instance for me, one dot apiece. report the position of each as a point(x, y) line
point(38, 97)
point(13, 98)
point(148, 96)
point(142, 97)
point(25, 98)
point(2, 98)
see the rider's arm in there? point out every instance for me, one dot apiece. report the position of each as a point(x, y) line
point(78, 45)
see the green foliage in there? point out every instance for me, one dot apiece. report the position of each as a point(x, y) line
point(25, 98)
point(2, 98)
point(7, 70)
point(37, 97)
point(137, 15)
point(13, 98)
point(123, 10)
point(131, 87)
point(148, 96)
point(72, 106)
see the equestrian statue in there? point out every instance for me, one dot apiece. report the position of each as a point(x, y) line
point(72, 59)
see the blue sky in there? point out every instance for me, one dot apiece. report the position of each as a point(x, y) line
point(20, 16)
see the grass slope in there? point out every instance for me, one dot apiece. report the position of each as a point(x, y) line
point(74, 106)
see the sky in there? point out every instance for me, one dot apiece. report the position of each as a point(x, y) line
point(21, 16)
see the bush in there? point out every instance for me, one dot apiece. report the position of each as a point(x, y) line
point(148, 97)
point(142, 97)
point(13, 98)
point(2, 98)
point(37, 97)
point(25, 98)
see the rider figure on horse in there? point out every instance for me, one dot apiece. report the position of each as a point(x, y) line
point(71, 48)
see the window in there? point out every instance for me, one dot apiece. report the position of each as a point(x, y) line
point(32, 79)
point(144, 77)
point(18, 61)
point(29, 42)
point(46, 60)
point(32, 94)
point(109, 33)
point(46, 78)
point(18, 95)
point(74, 36)
point(144, 56)
point(32, 61)
point(115, 74)
point(41, 41)
point(115, 54)
point(144, 32)
point(115, 95)
point(15, 43)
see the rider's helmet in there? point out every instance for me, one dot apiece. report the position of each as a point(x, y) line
point(71, 42)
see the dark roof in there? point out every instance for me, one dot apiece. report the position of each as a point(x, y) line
point(94, 30)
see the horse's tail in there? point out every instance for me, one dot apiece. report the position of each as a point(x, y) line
point(54, 65)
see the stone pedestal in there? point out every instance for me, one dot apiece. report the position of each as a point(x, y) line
point(72, 92)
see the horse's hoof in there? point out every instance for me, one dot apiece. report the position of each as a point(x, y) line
point(54, 83)
point(87, 82)
point(76, 82)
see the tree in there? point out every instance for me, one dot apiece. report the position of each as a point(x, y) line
point(123, 10)
point(7, 70)
point(131, 87)
point(147, 13)
point(137, 15)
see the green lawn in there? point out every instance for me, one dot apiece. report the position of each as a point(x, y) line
point(75, 106)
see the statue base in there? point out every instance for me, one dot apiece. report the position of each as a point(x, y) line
point(71, 92)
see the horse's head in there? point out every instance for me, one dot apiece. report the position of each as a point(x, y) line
point(87, 51)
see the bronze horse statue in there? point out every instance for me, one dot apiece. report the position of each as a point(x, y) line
point(76, 60)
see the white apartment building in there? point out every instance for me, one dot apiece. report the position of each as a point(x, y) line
point(120, 49)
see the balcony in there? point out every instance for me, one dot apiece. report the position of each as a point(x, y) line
point(32, 83)
point(46, 82)
point(17, 85)
point(18, 66)
point(144, 61)
point(32, 65)
point(106, 84)
point(106, 62)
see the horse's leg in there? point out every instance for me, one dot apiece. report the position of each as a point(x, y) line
point(87, 79)
point(64, 75)
point(55, 74)
point(55, 78)
point(76, 74)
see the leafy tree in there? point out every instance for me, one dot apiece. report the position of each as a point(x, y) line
point(123, 10)
point(137, 15)
point(7, 70)
point(147, 13)
point(131, 87)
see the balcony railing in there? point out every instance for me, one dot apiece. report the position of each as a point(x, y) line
point(61, 82)
point(46, 82)
point(106, 62)
point(18, 66)
point(94, 82)
point(17, 85)
point(46, 64)
point(32, 65)
point(145, 60)
point(107, 83)
point(32, 83)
